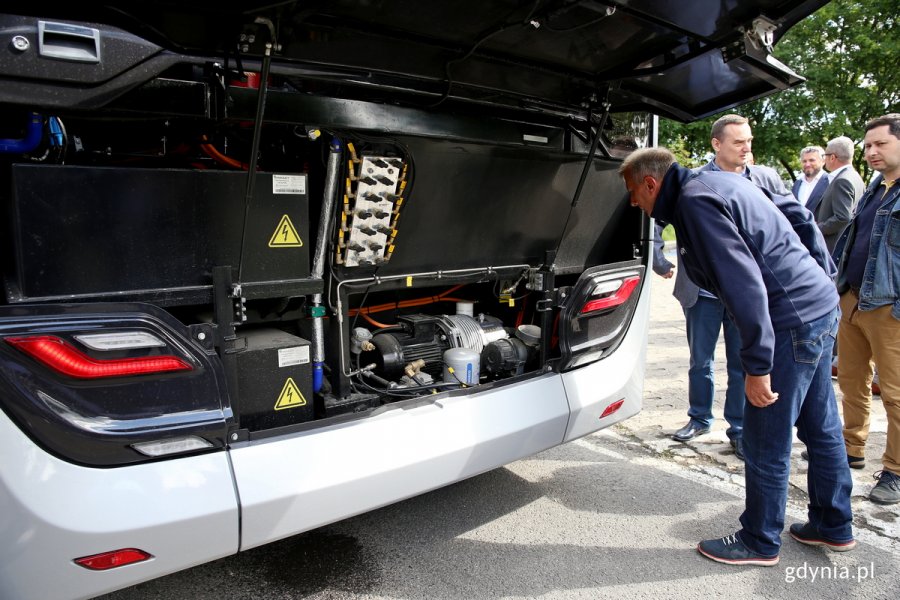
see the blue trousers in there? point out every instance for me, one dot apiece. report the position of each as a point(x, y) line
point(801, 376)
point(704, 321)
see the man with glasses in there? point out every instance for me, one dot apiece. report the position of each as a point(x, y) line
point(844, 190)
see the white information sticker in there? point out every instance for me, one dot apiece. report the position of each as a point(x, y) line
point(288, 357)
point(288, 184)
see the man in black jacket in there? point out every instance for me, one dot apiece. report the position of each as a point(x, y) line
point(763, 256)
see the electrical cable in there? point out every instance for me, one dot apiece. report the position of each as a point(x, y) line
point(479, 42)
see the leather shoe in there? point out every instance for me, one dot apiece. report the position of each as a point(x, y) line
point(689, 432)
point(738, 446)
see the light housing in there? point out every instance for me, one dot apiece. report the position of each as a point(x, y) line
point(609, 294)
point(612, 408)
point(64, 358)
point(179, 445)
point(112, 559)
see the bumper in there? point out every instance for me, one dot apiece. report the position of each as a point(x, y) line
point(183, 512)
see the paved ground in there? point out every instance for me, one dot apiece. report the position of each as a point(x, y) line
point(665, 411)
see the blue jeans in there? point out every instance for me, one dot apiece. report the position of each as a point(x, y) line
point(704, 320)
point(801, 375)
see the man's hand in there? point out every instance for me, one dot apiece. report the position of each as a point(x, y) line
point(668, 275)
point(759, 390)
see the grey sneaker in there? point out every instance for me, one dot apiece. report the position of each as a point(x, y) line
point(887, 490)
point(732, 551)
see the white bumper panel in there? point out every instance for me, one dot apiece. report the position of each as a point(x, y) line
point(593, 387)
point(183, 512)
point(291, 485)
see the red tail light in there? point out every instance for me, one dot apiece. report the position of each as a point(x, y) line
point(68, 360)
point(612, 408)
point(112, 559)
point(613, 293)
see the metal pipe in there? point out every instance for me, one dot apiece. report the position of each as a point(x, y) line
point(34, 131)
point(331, 184)
point(318, 269)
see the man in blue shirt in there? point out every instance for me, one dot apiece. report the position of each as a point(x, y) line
point(763, 256)
point(869, 284)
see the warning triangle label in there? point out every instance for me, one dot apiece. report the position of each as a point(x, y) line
point(290, 396)
point(285, 235)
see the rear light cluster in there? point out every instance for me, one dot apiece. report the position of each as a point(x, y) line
point(611, 293)
point(64, 358)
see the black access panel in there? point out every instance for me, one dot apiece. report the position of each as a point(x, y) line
point(85, 231)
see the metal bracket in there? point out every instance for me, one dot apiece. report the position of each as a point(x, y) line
point(238, 304)
point(204, 334)
point(762, 34)
point(238, 435)
point(544, 305)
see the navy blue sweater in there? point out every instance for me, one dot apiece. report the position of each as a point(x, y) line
point(760, 253)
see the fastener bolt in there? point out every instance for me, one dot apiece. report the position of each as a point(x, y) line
point(20, 43)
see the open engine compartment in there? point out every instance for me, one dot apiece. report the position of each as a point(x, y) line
point(378, 254)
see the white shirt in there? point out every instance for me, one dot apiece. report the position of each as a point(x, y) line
point(806, 187)
point(837, 172)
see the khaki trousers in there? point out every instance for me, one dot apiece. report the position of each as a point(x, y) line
point(864, 337)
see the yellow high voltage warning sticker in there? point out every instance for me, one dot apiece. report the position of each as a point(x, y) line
point(285, 235)
point(290, 396)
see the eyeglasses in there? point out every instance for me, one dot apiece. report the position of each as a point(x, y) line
point(828, 154)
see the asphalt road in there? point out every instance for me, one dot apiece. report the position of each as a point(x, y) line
point(598, 518)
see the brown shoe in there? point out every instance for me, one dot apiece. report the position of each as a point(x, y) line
point(875, 389)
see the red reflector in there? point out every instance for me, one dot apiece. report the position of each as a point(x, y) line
point(620, 296)
point(613, 408)
point(68, 360)
point(115, 558)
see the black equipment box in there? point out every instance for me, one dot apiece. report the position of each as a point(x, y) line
point(83, 231)
point(274, 380)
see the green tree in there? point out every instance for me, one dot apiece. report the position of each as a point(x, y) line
point(846, 51)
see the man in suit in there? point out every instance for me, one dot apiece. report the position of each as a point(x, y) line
point(810, 188)
point(705, 315)
point(844, 190)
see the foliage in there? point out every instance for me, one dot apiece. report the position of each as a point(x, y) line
point(668, 233)
point(846, 52)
